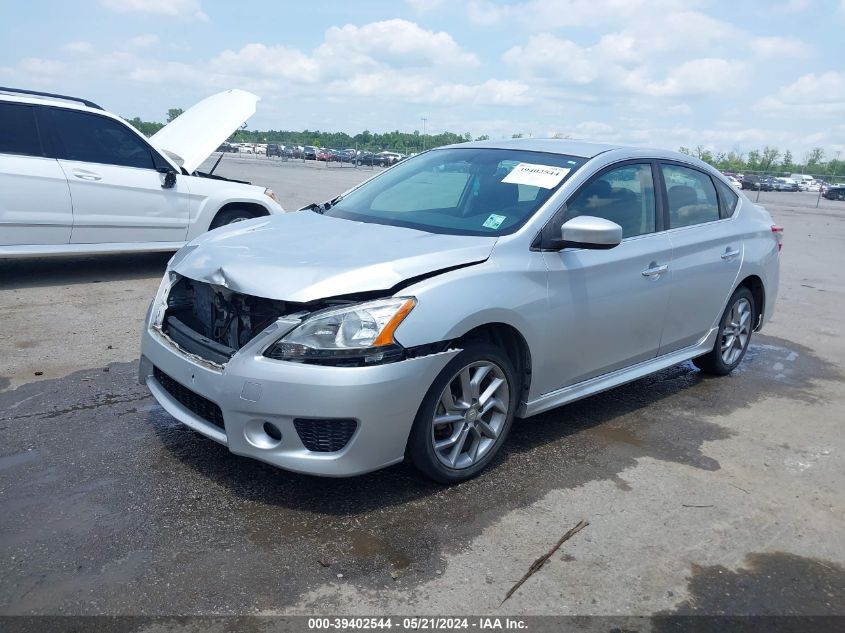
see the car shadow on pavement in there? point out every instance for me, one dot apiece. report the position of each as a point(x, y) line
point(64, 271)
point(666, 416)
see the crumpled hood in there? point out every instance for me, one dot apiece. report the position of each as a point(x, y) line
point(304, 256)
point(198, 131)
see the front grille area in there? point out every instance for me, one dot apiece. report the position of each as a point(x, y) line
point(194, 402)
point(214, 322)
point(325, 436)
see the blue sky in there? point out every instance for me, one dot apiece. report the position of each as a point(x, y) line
point(725, 75)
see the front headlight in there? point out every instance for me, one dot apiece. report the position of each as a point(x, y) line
point(357, 334)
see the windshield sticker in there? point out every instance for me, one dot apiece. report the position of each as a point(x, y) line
point(536, 175)
point(494, 221)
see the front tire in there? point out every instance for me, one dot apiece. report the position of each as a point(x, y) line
point(230, 216)
point(734, 335)
point(466, 415)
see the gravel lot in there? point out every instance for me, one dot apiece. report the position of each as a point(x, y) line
point(703, 495)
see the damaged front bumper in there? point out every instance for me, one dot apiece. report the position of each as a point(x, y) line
point(315, 419)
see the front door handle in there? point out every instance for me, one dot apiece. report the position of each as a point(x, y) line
point(86, 175)
point(654, 271)
point(728, 255)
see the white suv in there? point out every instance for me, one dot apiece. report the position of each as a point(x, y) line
point(77, 179)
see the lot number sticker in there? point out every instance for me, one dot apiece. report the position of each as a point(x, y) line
point(536, 175)
point(494, 221)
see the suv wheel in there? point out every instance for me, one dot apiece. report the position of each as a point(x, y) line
point(734, 335)
point(466, 415)
point(230, 216)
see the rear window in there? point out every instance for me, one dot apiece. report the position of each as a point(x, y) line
point(18, 131)
point(728, 197)
point(692, 196)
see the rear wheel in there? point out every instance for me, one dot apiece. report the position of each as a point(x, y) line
point(466, 415)
point(734, 335)
point(230, 216)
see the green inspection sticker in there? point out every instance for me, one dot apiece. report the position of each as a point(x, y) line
point(494, 221)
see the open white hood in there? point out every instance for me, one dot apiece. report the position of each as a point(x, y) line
point(200, 130)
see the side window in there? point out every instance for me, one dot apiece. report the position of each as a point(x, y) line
point(692, 196)
point(18, 131)
point(624, 195)
point(95, 139)
point(729, 198)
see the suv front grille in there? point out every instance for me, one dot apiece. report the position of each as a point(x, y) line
point(325, 436)
point(192, 401)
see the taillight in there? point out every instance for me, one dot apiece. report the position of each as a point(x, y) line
point(778, 231)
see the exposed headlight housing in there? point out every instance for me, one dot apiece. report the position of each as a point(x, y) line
point(359, 334)
point(272, 195)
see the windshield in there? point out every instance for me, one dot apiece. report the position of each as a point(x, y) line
point(460, 191)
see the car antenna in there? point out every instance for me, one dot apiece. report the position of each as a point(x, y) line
point(219, 158)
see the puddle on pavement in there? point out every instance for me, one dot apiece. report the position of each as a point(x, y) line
point(767, 584)
point(256, 535)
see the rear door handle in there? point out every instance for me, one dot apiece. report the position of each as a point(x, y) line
point(728, 255)
point(653, 271)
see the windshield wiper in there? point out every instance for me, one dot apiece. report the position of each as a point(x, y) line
point(316, 207)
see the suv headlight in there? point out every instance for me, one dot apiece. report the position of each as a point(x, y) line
point(356, 334)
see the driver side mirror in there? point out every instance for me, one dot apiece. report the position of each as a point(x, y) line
point(587, 231)
point(169, 177)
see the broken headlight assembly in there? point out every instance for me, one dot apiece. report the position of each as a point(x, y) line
point(354, 335)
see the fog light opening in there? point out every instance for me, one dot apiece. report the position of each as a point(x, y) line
point(273, 431)
point(262, 434)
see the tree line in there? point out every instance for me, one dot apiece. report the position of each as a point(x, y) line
point(766, 160)
point(770, 160)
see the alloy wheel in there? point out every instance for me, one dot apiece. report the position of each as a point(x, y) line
point(470, 414)
point(736, 332)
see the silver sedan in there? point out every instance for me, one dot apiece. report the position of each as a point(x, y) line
point(416, 315)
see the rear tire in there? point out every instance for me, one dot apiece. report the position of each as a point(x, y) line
point(230, 216)
point(734, 335)
point(466, 415)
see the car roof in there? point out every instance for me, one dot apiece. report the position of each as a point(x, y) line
point(570, 147)
point(68, 102)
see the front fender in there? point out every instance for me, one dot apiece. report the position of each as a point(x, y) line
point(452, 304)
point(209, 196)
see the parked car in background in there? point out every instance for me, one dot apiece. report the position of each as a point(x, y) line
point(416, 315)
point(784, 184)
point(756, 183)
point(309, 152)
point(735, 183)
point(75, 178)
point(387, 158)
point(274, 149)
point(227, 148)
point(835, 192)
point(324, 155)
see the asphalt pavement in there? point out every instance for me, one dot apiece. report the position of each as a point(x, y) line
point(703, 495)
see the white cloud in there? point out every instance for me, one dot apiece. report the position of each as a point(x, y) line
point(78, 48)
point(38, 66)
point(809, 95)
point(780, 47)
point(397, 42)
point(268, 61)
point(177, 8)
point(424, 89)
point(143, 41)
point(422, 6)
point(614, 64)
point(554, 14)
point(794, 6)
point(695, 77)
